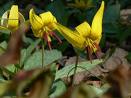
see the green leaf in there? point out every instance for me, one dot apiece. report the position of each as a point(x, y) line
point(58, 88)
point(3, 46)
point(5, 7)
point(87, 65)
point(111, 19)
point(27, 40)
point(112, 13)
point(125, 32)
point(35, 60)
point(128, 57)
point(10, 68)
point(111, 29)
point(1, 79)
point(26, 53)
point(5, 31)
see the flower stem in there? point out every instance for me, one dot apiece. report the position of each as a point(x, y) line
point(75, 69)
point(42, 53)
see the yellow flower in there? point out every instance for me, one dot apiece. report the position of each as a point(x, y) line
point(43, 25)
point(84, 36)
point(11, 19)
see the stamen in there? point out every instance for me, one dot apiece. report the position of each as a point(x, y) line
point(49, 44)
point(98, 50)
point(96, 46)
point(57, 38)
point(47, 40)
point(89, 53)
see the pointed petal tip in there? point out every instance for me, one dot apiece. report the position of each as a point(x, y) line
point(13, 17)
point(31, 11)
point(16, 6)
point(102, 2)
point(97, 23)
point(102, 5)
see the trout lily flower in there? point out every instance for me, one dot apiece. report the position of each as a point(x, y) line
point(84, 36)
point(11, 19)
point(43, 26)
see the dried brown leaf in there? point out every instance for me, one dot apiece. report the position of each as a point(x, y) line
point(12, 53)
point(120, 81)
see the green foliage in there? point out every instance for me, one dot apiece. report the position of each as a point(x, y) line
point(129, 57)
point(5, 7)
point(3, 46)
point(68, 70)
point(35, 60)
point(26, 53)
point(58, 88)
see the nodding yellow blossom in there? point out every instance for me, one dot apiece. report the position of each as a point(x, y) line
point(84, 36)
point(43, 25)
point(11, 19)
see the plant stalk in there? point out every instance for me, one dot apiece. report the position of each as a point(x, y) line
point(75, 69)
point(42, 53)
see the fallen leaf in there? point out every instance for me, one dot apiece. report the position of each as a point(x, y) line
point(12, 53)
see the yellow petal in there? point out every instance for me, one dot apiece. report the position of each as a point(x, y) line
point(4, 20)
point(71, 36)
point(38, 33)
point(47, 17)
point(83, 29)
point(21, 18)
point(48, 20)
point(35, 21)
point(3, 28)
point(13, 21)
point(96, 28)
point(9, 23)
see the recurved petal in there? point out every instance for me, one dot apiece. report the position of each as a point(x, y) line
point(3, 28)
point(4, 19)
point(48, 19)
point(96, 28)
point(35, 21)
point(71, 36)
point(83, 29)
point(21, 18)
point(13, 21)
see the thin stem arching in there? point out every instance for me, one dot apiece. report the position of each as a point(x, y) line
point(42, 53)
point(75, 69)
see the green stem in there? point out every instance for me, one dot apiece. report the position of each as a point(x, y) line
point(20, 66)
point(19, 63)
point(42, 53)
point(75, 69)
